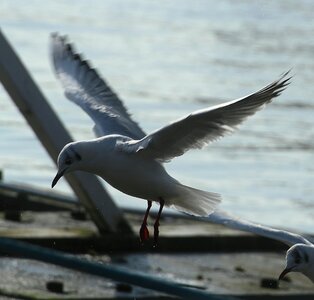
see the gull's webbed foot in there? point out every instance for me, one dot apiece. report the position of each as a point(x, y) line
point(144, 233)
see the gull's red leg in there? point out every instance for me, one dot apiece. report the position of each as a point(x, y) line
point(156, 225)
point(144, 233)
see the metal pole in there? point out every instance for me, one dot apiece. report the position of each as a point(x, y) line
point(12, 246)
point(52, 134)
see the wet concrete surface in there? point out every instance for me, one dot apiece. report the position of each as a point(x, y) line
point(248, 266)
point(226, 274)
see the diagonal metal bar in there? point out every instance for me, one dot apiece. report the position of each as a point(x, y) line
point(52, 134)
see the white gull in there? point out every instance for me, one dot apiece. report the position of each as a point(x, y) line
point(131, 160)
point(300, 255)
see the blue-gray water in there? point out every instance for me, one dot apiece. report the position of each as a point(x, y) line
point(166, 59)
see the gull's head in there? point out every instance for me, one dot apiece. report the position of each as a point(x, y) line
point(69, 159)
point(299, 258)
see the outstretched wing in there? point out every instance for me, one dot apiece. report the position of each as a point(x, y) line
point(87, 89)
point(223, 218)
point(204, 126)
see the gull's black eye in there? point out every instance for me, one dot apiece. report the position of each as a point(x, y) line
point(297, 257)
point(306, 257)
point(68, 161)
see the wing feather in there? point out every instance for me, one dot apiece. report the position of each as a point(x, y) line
point(86, 88)
point(230, 221)
point(203, 126)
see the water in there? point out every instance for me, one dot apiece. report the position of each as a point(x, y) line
point(168, 58)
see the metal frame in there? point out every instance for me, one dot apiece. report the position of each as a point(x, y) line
point(52, 134)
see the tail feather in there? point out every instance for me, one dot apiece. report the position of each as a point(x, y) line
point(195, 202)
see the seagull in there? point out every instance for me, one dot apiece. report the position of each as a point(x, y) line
point(300, 255)
point(131, 160)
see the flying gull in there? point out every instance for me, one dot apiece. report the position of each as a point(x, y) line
point(131, 160)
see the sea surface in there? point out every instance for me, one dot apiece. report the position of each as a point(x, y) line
point(166, 59)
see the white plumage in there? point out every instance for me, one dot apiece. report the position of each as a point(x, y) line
point(300, 255)
point(129, 159)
